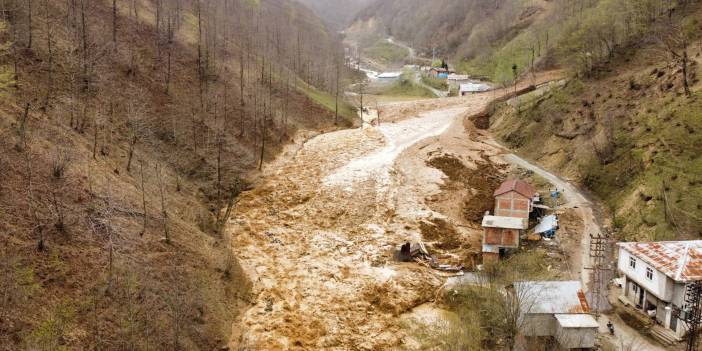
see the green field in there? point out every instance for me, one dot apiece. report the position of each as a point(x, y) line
point(386, 52)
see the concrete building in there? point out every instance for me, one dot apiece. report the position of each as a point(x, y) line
point(501, 234)
point(514, 198)
point(556, 309)
point(655, 278)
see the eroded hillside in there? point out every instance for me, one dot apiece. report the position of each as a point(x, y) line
point(125, 126)
point(628, 132)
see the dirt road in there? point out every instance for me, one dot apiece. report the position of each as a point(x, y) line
point(626, 338)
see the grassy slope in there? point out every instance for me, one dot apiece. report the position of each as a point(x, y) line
point(386, 53)
point(328, 101)
point(406, 86)
point(630, 136)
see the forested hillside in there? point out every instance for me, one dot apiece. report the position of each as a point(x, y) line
point(127, 128)
point(337, 13)
point(627, 124)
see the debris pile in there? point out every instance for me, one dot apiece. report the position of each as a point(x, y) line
point(418, 252)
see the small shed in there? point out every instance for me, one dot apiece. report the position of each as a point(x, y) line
point(472, 88)
point(556, 309)
point(576, 331)
point(439, 72)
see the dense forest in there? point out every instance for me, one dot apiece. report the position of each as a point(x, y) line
point(127, 129)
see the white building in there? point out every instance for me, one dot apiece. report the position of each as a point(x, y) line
point(472, 88)
point(656, 275)
point(556, 309)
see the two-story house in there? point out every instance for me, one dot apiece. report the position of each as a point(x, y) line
point(514, 198)
point(513, 203)
point(656, 275)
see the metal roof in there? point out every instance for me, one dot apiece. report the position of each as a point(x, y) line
point(580, 320)
point(518, 185)
point(679, 260)
point(390, 75)
point(553, 297)
point(548, 223)
point(504, 222)
point(473, 87)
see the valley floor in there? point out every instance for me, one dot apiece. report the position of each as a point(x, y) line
point(318, 234)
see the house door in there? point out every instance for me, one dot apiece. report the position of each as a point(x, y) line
point(674, 323)
point(641, 297)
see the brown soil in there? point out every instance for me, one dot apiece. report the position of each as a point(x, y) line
point(441, 232)
point(482, 181)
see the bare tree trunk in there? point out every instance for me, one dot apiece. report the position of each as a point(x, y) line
point(685, 59)
point(22, 144)
point(336, 97)
point(132, 144)
point(143, 197)
point(86, 80)
point(95, 140)
point(29, 24)
point(164, 214)
point(49, 85)
point(114, 22)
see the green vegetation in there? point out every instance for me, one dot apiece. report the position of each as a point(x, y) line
point(386, 52)
point(328, 101)
point(485, 317)
point(640, 155)
point(438, 84)
point(406, 86)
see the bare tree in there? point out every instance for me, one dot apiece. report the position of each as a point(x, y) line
point(164, 213)
point(674, 37)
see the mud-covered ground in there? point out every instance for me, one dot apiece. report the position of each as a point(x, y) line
point(317, 235)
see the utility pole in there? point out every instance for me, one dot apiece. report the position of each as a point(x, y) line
point(691, 313)
point(599, 246)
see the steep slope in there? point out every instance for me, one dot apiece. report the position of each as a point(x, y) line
point(123, 132)
point(625, 129)
point(337, 13)
point(455, 29)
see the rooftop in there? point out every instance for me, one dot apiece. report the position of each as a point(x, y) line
point(577, 321)
point(548, 223)
point(679, 260)
point(474, 87)
point(518, 185)
point(504, 222)
point(554, 297)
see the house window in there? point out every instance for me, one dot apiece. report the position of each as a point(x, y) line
point(649, 273)
point(632, 263)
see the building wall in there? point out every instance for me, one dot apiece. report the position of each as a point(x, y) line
point(539, 325)
point(661, 286)
point(512, 204)
point(507, 238)
point(576, 338)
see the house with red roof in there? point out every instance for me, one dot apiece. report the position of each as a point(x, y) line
point(514, 198)
point(501, 231)
point(656, 276)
